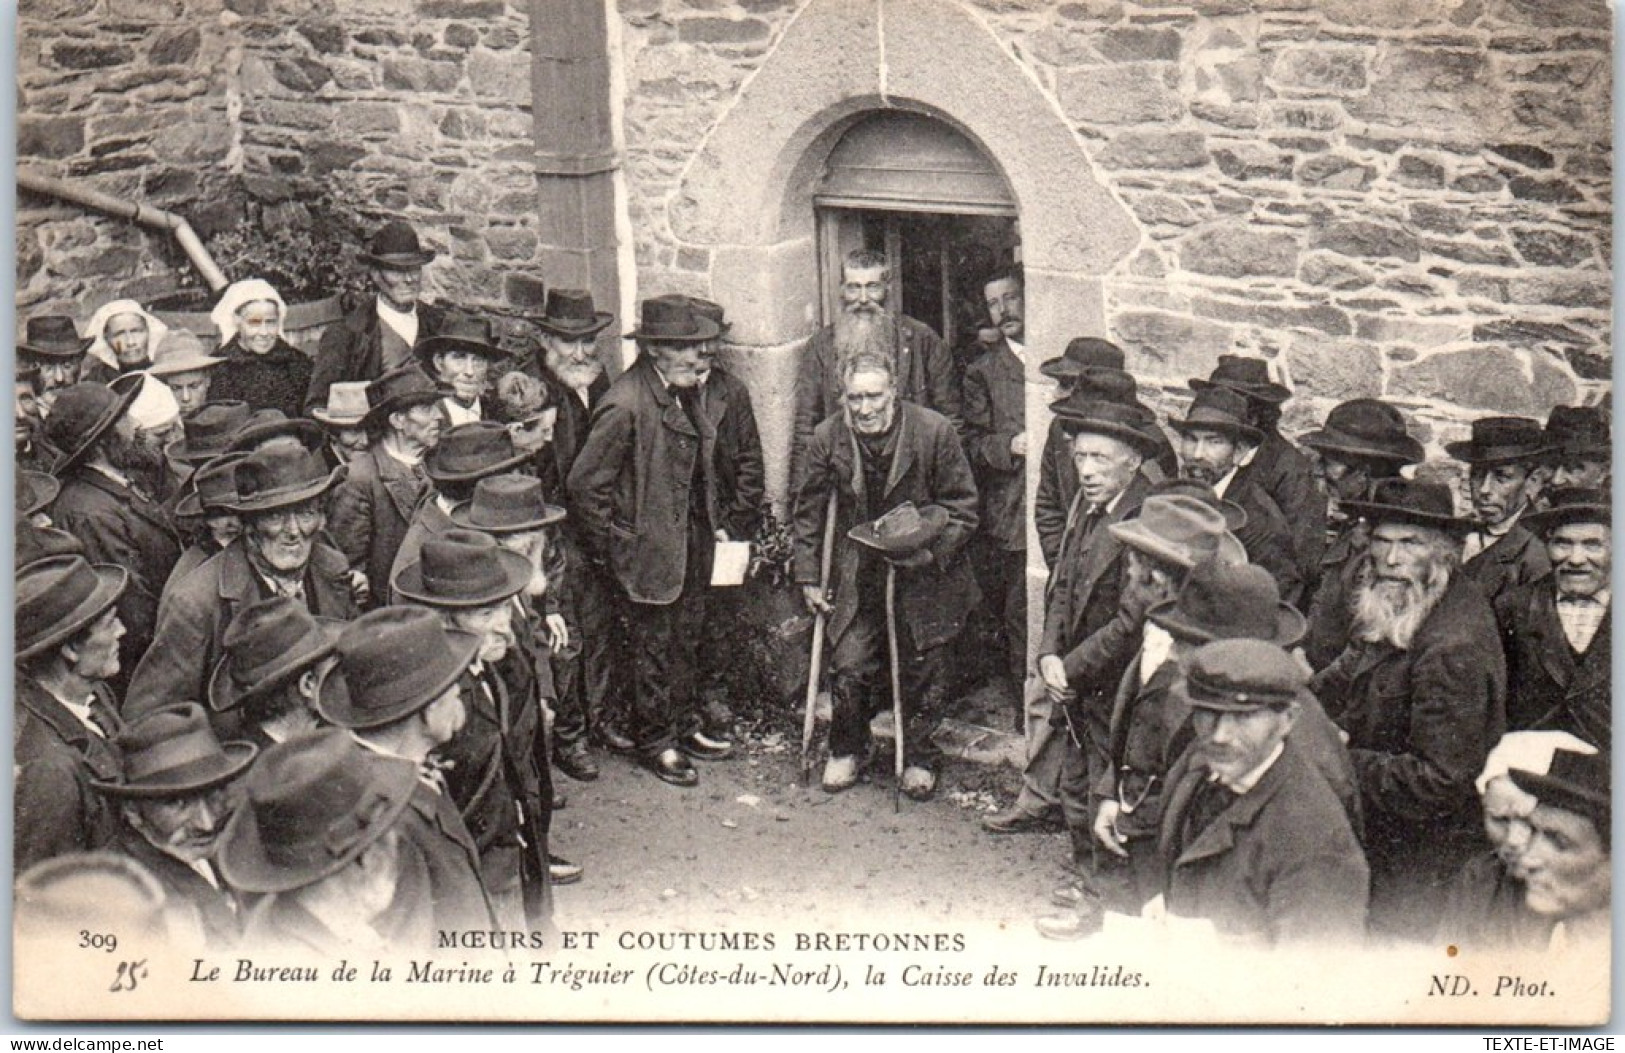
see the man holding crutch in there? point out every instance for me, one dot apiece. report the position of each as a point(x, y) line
point(904, 492)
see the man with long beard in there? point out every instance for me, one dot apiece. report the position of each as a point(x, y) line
point(921, 362)
point(1421, 692)
point(108, 501)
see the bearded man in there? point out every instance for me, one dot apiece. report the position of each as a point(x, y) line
point(108, 470)
point(921, 362)
point(1421, 692)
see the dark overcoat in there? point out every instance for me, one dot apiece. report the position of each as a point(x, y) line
point(632, 483)
point(740, 479)
point(188, 899)
point(352, 350)
point(57, 810)
point(1082, 600)
point(995, 413)
point(434, 830)
point(1279, 864)
point(1283, 472)
point(369, 512)
point(928, 468)
point(1515, 558)
point(192, 622)
point(1549, 685)
point(925, 376)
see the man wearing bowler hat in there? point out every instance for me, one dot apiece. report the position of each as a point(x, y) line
point(319, 838)
point(273, 655)
point(203, 515)
point(1582, 449)
point(1277, 467)
point(1252, 838)
point(1363, 442)
point(280, 495)
point(465, 455)
point(1216, 443)
point(644, 493)
point(1557, 629)
point(68, 632)
point(397, 688)
point(1506, 469)
point(459, 358)
point(373, 505)
point(379, 336)
point(1081, 654)
point(103, 503)
point(497, 763)
point(1057, 478)
point(1421, 692)
point(53, 348)
point(905, 504)
point(173, 791)
point(1567, 865)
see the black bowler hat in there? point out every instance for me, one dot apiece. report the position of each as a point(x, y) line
point(395, 247)
point(392, 662)
point(1501, 440)
point(212, 488)
point(570, 313)
point(1220, 410)
point(712, 310)
point(672, 320)
point(53, 336)
point(1082, 353)
point(1368, 428)
point(1105, 401)
point(903, 533)
point(266, 424)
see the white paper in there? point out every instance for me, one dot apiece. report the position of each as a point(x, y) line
point(728, 566)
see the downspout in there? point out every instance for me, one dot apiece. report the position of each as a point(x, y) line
point(145, 215)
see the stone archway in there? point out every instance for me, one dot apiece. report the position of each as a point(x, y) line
point(745, 200)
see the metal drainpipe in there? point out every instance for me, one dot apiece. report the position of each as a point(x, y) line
point(145, 215)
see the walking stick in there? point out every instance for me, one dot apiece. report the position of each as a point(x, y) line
point(896, 687)
point(810, 719)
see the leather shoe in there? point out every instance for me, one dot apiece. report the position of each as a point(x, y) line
point(562, 871)
point(559, 800)
point(1017, 821)
point(670, 766)
point(701, 746)
point(1067, 896)
point(575, 760)
point(1072, 925)
point(614, 740)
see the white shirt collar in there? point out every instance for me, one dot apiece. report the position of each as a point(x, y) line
point(1248, 781)
point(457, 414)
point(405, 323)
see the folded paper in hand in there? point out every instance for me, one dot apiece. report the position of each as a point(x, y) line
point(731, 561)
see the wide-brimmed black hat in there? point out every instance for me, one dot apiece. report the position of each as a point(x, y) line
point(570, 313)
point(53, 336)
point(395, 247)
point(671, 319)
point(712, 310)
point(460, 332)
point(314, 804)
point(463, 569)
point(35, 491)
point(59, 596)
point(472, 451)
point(1105, 401)
point(1248, 377)
point(1571, 504)
point(86, 411)
point(1084, 352)
point(398, 390)
point(1501, 440)
point(1576, 782)
point(209, 432)
point(1241, 675)
point(1221, 600)
point(1220, 410)
point(173, 752)
point(1368, 428)
point(35, 543)
point(279, 477)
point(211, 489)
point(1179, 529)
point(904, 532)
point(507, 504)
point(267, 424)
point(266, 645)
point(1410, 501)
point(1579, 431)
point(392, 662)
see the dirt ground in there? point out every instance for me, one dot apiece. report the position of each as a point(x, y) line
point(751, 847)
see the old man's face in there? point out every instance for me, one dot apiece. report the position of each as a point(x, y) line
point(1566, 865)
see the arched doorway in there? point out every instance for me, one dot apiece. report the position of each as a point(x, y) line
point(932, 201)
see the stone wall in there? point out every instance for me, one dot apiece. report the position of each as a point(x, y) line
point(1406, 198)
point(414, 108)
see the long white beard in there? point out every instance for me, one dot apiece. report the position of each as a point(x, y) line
point(1391, 612)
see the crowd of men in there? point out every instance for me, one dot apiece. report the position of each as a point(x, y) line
point(300, 641)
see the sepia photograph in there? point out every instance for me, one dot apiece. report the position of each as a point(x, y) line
point(824, 512)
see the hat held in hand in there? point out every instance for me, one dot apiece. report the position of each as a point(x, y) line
point(903, 534)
